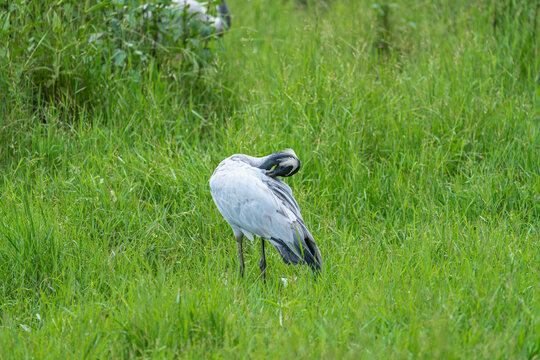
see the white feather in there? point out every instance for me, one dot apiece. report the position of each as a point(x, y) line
point(199, 12)
point(292, 162)
point(195, 10)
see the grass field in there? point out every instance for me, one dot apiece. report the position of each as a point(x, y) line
point(418, 127)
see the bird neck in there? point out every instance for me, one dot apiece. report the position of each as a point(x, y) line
point(265, 162)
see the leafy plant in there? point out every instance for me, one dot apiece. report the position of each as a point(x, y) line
point(80, 51)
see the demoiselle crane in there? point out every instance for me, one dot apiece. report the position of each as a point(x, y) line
point(196, 10)
point(199, 11)
point(254, 201)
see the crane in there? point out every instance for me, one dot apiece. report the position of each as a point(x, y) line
point(255, 202)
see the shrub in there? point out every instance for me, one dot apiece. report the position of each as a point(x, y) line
point(77, 53)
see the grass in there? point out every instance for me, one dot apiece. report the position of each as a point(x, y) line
point(420, 183)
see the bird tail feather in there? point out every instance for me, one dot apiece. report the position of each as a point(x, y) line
point(310, 252)
point(304, 250)
point(224, 13)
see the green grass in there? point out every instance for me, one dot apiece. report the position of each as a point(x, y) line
point(420, 183)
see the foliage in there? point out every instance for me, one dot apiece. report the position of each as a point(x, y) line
point(420, 183)
point(84, 52)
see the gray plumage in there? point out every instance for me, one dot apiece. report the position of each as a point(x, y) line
point(254, 201)
point(197, 10)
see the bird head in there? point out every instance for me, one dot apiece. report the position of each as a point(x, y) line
point(283, 163)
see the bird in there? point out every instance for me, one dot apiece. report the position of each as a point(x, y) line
point(199, 11)
point(196, 10)
point(255, 202)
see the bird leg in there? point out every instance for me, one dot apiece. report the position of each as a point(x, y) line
point(262, 264)
point(240, 253)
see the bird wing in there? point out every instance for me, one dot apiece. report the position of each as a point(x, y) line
point(244, 201)
point(253, 203)
point(302, 236)
point(284, 193)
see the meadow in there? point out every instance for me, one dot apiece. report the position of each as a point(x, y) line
point(418, 127)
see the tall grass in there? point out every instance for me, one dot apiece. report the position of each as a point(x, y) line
point(420, 182)
point(86, 54)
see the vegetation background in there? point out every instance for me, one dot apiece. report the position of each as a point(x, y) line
point(418, 127)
